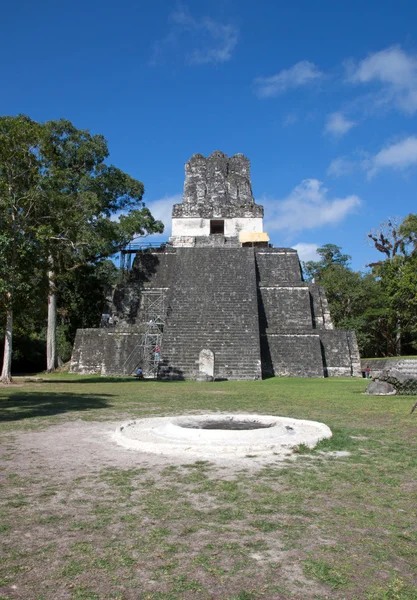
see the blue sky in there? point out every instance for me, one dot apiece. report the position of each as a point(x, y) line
point(321, 97)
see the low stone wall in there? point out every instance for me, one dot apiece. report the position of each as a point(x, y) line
point(378, 365)
point(106, 352)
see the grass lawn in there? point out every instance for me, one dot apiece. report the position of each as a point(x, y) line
point(84, 519)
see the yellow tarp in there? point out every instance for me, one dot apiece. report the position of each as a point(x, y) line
point(252, 236)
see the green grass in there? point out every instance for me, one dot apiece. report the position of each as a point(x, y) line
point(316, 526)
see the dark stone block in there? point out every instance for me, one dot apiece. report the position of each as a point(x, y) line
point(340, 353)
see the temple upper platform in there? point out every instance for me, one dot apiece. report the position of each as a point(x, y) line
point(217, 204)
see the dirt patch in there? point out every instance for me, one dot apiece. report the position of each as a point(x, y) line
point(86, 512)
point(86, 519)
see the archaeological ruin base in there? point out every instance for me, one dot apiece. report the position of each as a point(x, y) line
point(217, 301)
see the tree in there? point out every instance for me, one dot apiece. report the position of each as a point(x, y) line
point(397, 277)
point(408, 229)
point(330, 256)
point(392, 238)
point(72, 222)
point(21, 205)
point(353, 297)
point(82, 294)
point(85, 193)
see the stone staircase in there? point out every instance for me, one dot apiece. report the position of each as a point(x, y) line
point(213, 306)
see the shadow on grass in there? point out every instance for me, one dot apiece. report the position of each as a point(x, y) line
point(91, 379)
point(104, 379)
point(26, 405)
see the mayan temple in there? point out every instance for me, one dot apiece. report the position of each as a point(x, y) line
point(217, 301)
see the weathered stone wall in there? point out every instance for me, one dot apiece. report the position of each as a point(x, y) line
point(217, 186)
point(293, 316)
point(296, 354)
point(286, 307)
point(106, 352)
point(277, 266)
point(245, 305)
point(289, 344)
point(196, 227)
point(340, 352)
point(378, 365)
point(213, 306)
point(320, 308)
point(151, 270)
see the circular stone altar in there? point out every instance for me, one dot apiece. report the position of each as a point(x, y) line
point(220, 435)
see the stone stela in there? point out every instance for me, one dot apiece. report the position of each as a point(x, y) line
point(217, 301)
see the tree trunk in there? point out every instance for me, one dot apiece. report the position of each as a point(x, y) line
point(51, 350)
point(6, 374)
point(398, 340)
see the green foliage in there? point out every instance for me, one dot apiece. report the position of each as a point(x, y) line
point(398, 283)
point(58, 199)
point(64, 345)
point(331, 256)
point(84, 193)
point(354, 298)
point(380, 305)
point(82, 296)
point(21, 204)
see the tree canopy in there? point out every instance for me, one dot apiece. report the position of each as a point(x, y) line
point(380, 304)
point(62, 207)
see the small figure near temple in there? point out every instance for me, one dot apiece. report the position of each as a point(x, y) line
point(139, 373)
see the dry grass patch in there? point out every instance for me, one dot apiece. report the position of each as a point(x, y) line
point(84, 519)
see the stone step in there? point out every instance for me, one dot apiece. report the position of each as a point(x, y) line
point(213, 305)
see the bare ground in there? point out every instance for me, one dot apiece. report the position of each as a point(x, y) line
point(85, 519)
point(61, 490)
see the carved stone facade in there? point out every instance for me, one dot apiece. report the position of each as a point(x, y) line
point(217, 186)
point(234, 307)
point(217, 200)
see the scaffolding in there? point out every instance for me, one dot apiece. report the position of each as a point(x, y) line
point(128, 253)
point(147, 352)
point(154, 311)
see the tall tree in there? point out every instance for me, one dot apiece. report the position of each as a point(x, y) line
point(77, 197)
point(85, 194)
point(21, 208)
point(396, 273)
point(353, 297)
point(395, 239)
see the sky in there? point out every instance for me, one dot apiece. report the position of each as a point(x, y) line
point(320, 96)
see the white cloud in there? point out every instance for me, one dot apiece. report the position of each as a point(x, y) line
point(400, 156)
point(209, 41)
point(306, 251)
point(341, 166)
point(290, 119)
point(337, 124)
point(162, 209)
point(308, 207)
point(395, 71)
point(302, 73)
